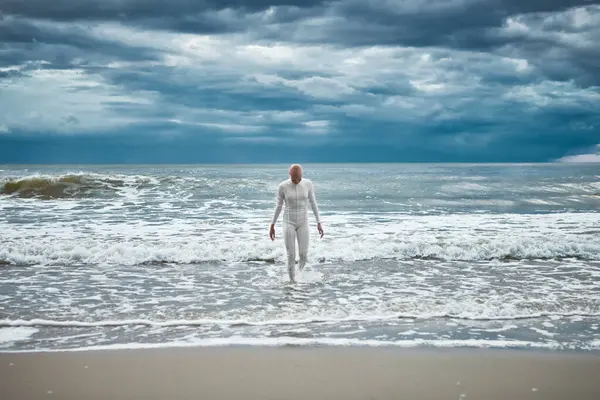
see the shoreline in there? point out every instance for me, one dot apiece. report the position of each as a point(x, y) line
point(310, 346)
point(302, 372)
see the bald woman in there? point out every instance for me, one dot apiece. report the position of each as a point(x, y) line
point(297, 193)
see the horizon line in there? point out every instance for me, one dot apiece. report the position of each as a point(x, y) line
point(557, 162)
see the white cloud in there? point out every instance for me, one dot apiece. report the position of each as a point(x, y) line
point(417, 6)
point(316, 86)
point(521, 65)
point(233, 121)
point(317, 124)
point(285, 116)
point(514, 26)
point(232, 128)
point(253, 139)
point(427, 86)
point(593, 157)
point(320, 127)
point(548, 93)
point(582, 158)
point(66, 101)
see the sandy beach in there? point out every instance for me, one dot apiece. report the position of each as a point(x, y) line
point(299, 373)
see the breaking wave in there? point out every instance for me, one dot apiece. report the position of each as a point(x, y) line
point(309, 321)
point(358, 248)
point(70, 185)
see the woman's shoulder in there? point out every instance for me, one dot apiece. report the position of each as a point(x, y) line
point(285, 183)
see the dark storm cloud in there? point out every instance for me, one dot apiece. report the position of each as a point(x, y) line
point(455, 23)
point(458, 24)
point(468, 25)
point(530, 6)
point(24, 40)
point(135, 10)
point(11, 74)
point(434, 88)
point(481, 13)
point(219, 93)
point(562, 63)
point(452, 23)
point(58, 31)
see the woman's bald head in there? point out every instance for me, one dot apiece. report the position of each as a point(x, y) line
point(296, 173)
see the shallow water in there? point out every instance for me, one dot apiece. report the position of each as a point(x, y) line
point(413, 255)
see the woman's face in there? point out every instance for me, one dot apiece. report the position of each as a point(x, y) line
point(296, 175)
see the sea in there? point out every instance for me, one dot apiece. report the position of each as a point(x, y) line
point(414, 255)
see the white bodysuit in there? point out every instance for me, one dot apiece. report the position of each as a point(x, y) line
point(297, 197)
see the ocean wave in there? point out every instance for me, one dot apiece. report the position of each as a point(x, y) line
point(361, 247)
point(284, 341)
point(285, 322)
point(78, 185)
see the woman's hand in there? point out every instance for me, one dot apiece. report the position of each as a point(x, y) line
point(272, 232)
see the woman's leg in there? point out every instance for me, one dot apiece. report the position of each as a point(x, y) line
point(289, 238)
point(302, 233)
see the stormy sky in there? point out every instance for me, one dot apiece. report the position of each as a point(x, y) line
point(110, 81)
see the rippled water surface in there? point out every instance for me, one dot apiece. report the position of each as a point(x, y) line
point(413, 255)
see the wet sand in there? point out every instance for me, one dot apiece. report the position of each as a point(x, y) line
point(299, 373)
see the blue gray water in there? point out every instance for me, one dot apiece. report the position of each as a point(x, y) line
point(413, 255)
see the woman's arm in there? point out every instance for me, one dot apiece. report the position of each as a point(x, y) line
point(278, 205)
point(313, 202)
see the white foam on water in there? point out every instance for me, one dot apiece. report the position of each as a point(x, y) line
point(505, 328)
point(542, 202)
point(257, 321)
point(15, 334)
point(543, 332)
point(348, 238)
point(295, 341)
point(465, 187)
point(309, 276)
point(198, 322)
point(170, 295)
